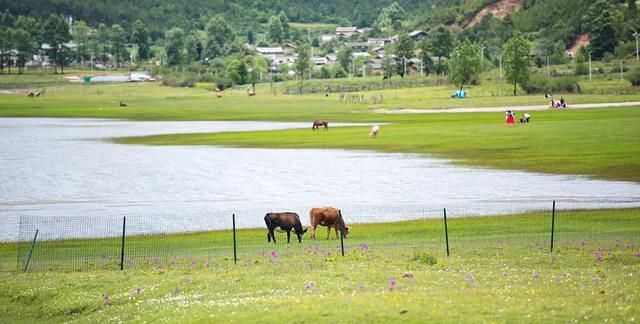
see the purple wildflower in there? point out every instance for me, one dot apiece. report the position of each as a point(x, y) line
point(598, 256)
point(638, 255)
point(274, 254)
point(309, 285)
point(470, 279)
point(557, 279)
point(105, 299)
point(138, 290)
point(176, 291)
point(364, 246)
point(392, 284)
point(536, 276)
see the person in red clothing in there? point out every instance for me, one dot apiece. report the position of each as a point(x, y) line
point(510, 119)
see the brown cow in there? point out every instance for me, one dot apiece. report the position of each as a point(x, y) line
point(327, 216)
point(286, 222)
point(318, 123)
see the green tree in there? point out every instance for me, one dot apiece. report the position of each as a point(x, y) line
point(81, 36)
point(631, 14)
point(464, 63)
point(441, 43)
point(391, 17)
point(56, 33)
point(236, 70)
point(174, 46)
point(24, 44)
point(118, 41)
point(345, 57)
point(6, 23)
point(284, 22)
point(425, 56)
point(516, 60)
point(193, 47)
point(387, 66)
point(599, 22)
point(403, 49)
point(251, 38)
point(219, 34)
point(140, 38)
point(303, 64)
point(101, 43)
point(276, 32)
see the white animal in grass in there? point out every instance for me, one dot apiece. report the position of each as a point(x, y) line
point(374, 131)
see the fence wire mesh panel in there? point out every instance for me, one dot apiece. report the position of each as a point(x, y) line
point(204, 239)
point(509, 226)
point(69, 243)
point(597, 225)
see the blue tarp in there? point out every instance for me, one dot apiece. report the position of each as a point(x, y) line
point(459, 94)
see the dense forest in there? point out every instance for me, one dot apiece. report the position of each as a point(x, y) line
point(221, 36)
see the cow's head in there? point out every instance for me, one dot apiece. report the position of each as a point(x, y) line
point(345, 233)
point(301, 231)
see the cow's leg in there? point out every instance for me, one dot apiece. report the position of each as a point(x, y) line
point(289, 236)
point(336, 228)
point(313, 231)
point(328, 231)
point(273, 236)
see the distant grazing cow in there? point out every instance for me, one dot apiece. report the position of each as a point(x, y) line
point(318, 123)
point(285, 222)
point(327, 216)
point(122, 104)
point(374, 131)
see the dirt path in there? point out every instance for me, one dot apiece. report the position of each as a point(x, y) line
point(496, 109)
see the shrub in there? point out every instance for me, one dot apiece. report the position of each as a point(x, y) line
point(542, 84)
point(424, 257)
point(581, 69)
point(633, 77)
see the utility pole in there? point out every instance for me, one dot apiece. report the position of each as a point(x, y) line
point(621, 72)
point(482, 47)
point(364, 71)
point(589, 66)
point(404, 60)
point(500, 61)
point(636, 35)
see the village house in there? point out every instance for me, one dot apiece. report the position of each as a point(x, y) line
point(357, 46)
point(264, 51)
point(418, 35)
point(379, 41)
point(289, 48)
point(347, 31)
point(326, 38)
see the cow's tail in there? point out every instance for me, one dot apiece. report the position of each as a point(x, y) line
point(267, 220)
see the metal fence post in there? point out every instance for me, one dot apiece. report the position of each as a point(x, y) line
point(33, 244)
point(341, 231)
point(553, 223)
point(446, 231)
point(235, 256)
point(124, 226)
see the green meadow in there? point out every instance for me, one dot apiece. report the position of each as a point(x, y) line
point(500, 270)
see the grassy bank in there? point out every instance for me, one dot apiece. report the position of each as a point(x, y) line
point(598, 143)
point(498, 272)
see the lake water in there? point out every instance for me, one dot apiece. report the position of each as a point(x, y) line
point(65, 168)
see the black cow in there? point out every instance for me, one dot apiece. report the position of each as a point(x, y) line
point(286, 222)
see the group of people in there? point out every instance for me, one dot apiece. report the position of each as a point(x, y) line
point(511, 117)
point(556, 103)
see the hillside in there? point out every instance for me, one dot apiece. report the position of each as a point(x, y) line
point(160, 15)
point(499, 9)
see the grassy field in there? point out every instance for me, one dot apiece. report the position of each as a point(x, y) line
point(601, 143)
point(500, 271)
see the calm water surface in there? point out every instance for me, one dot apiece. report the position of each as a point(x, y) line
point(65, 167)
